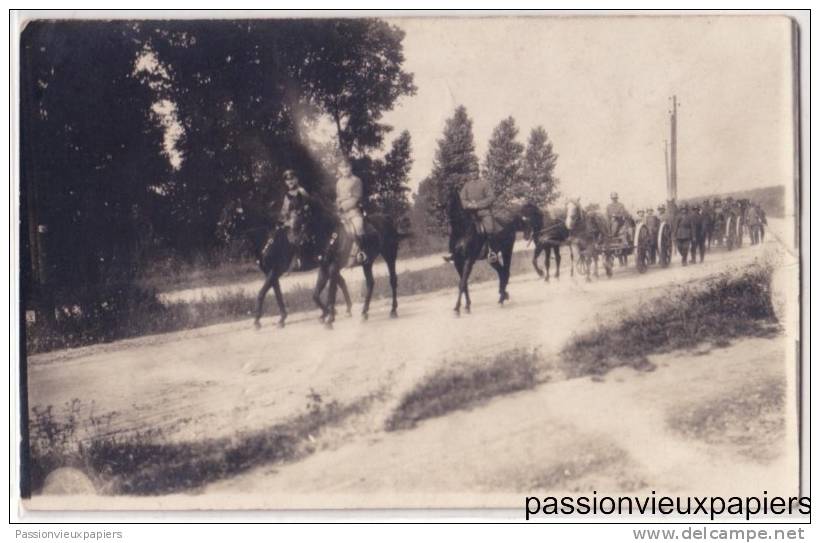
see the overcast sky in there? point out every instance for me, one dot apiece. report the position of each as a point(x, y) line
point(601, 88)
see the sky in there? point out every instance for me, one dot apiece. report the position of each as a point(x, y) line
point(601, 88)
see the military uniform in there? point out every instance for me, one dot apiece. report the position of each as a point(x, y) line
point(616, 213)
point(700, 223)
point(348, 198)
point(291, 202)
point(476, 195)
point(684, 231)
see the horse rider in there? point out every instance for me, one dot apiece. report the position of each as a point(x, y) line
point(477, 197)
point(616, 214)
point(653, 223)
point(295, 197)
point(348, 201)
point(699, 223)
point(684, 230)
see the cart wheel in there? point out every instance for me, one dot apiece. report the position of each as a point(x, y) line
point(664, 245)
point(642, 241)
point(731, 231)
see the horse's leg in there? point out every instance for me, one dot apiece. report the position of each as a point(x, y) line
point(547, 263)
point(283, 312)
point(462, 284)
point(557, 251)
point(505, 271)
point(260, 298)
point(394, 284)
point(571, 261)
point(334, 274)
point(458, 263)
point(346, 294)
point(321, 281)
point(367, 267)
point(536, 253)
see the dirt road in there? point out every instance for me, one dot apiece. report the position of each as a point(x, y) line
point(225, 379)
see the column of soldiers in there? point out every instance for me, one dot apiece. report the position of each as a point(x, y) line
point(692, 225)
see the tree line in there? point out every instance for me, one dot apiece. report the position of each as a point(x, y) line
point(516, 173)
point(135, 134)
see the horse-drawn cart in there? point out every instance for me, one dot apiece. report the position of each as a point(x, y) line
point(633, 239)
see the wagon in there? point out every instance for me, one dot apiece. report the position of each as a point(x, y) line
point(628, 243)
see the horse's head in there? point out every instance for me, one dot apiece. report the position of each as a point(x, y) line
point(532, 220)
point(573, 213)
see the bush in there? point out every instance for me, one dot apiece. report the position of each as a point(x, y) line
point(727, 306)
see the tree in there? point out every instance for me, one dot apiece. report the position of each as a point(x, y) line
point(352, 69)
point(538, 181)
point(388, 190)
point(502, 165)
point(91, 152)
point(455, 163)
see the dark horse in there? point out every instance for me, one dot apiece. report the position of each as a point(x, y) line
point(468, 244)
point(588, 230)
point(274, 248)
point(548, 235)
point(381, 239)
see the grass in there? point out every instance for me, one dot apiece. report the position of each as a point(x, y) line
point(144, 463)
point(733, 304)
point(462, 386)
point(131, 311)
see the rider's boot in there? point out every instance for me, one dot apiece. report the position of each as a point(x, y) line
point(361, 256)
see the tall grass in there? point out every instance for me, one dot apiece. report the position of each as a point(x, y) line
point(464, 385)
point(727, 306)
point(145, 463)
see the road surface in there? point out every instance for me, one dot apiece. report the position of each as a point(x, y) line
point(226, 379)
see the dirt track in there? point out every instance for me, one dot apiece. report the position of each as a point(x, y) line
point(228, 378)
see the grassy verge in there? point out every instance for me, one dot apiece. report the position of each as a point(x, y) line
point(463, 386)
point(731, 305)
point(144, 463)
point(131, 311)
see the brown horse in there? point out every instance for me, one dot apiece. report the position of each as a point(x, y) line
point(274, 248)
point(587, 231)
point(468, 244)
point(548, 234)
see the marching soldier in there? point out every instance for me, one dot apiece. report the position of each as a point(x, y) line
point(683, 230)
point(699, 224)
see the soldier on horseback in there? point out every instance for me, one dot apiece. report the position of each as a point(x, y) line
point(616, 214)
point(477, 199)
point(348, 202)
point(295, 198)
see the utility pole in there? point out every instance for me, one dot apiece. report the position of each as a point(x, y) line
point(673, 159)
point(666, 167)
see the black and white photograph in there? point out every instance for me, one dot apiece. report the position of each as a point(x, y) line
point(392, 260)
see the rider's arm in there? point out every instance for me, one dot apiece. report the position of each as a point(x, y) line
point(486, 200)
point(465, 200)
point(353, 197)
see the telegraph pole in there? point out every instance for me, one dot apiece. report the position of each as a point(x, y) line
point(672, 192)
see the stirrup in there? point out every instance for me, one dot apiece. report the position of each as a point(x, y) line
point(492, 257)
point(361, 257)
